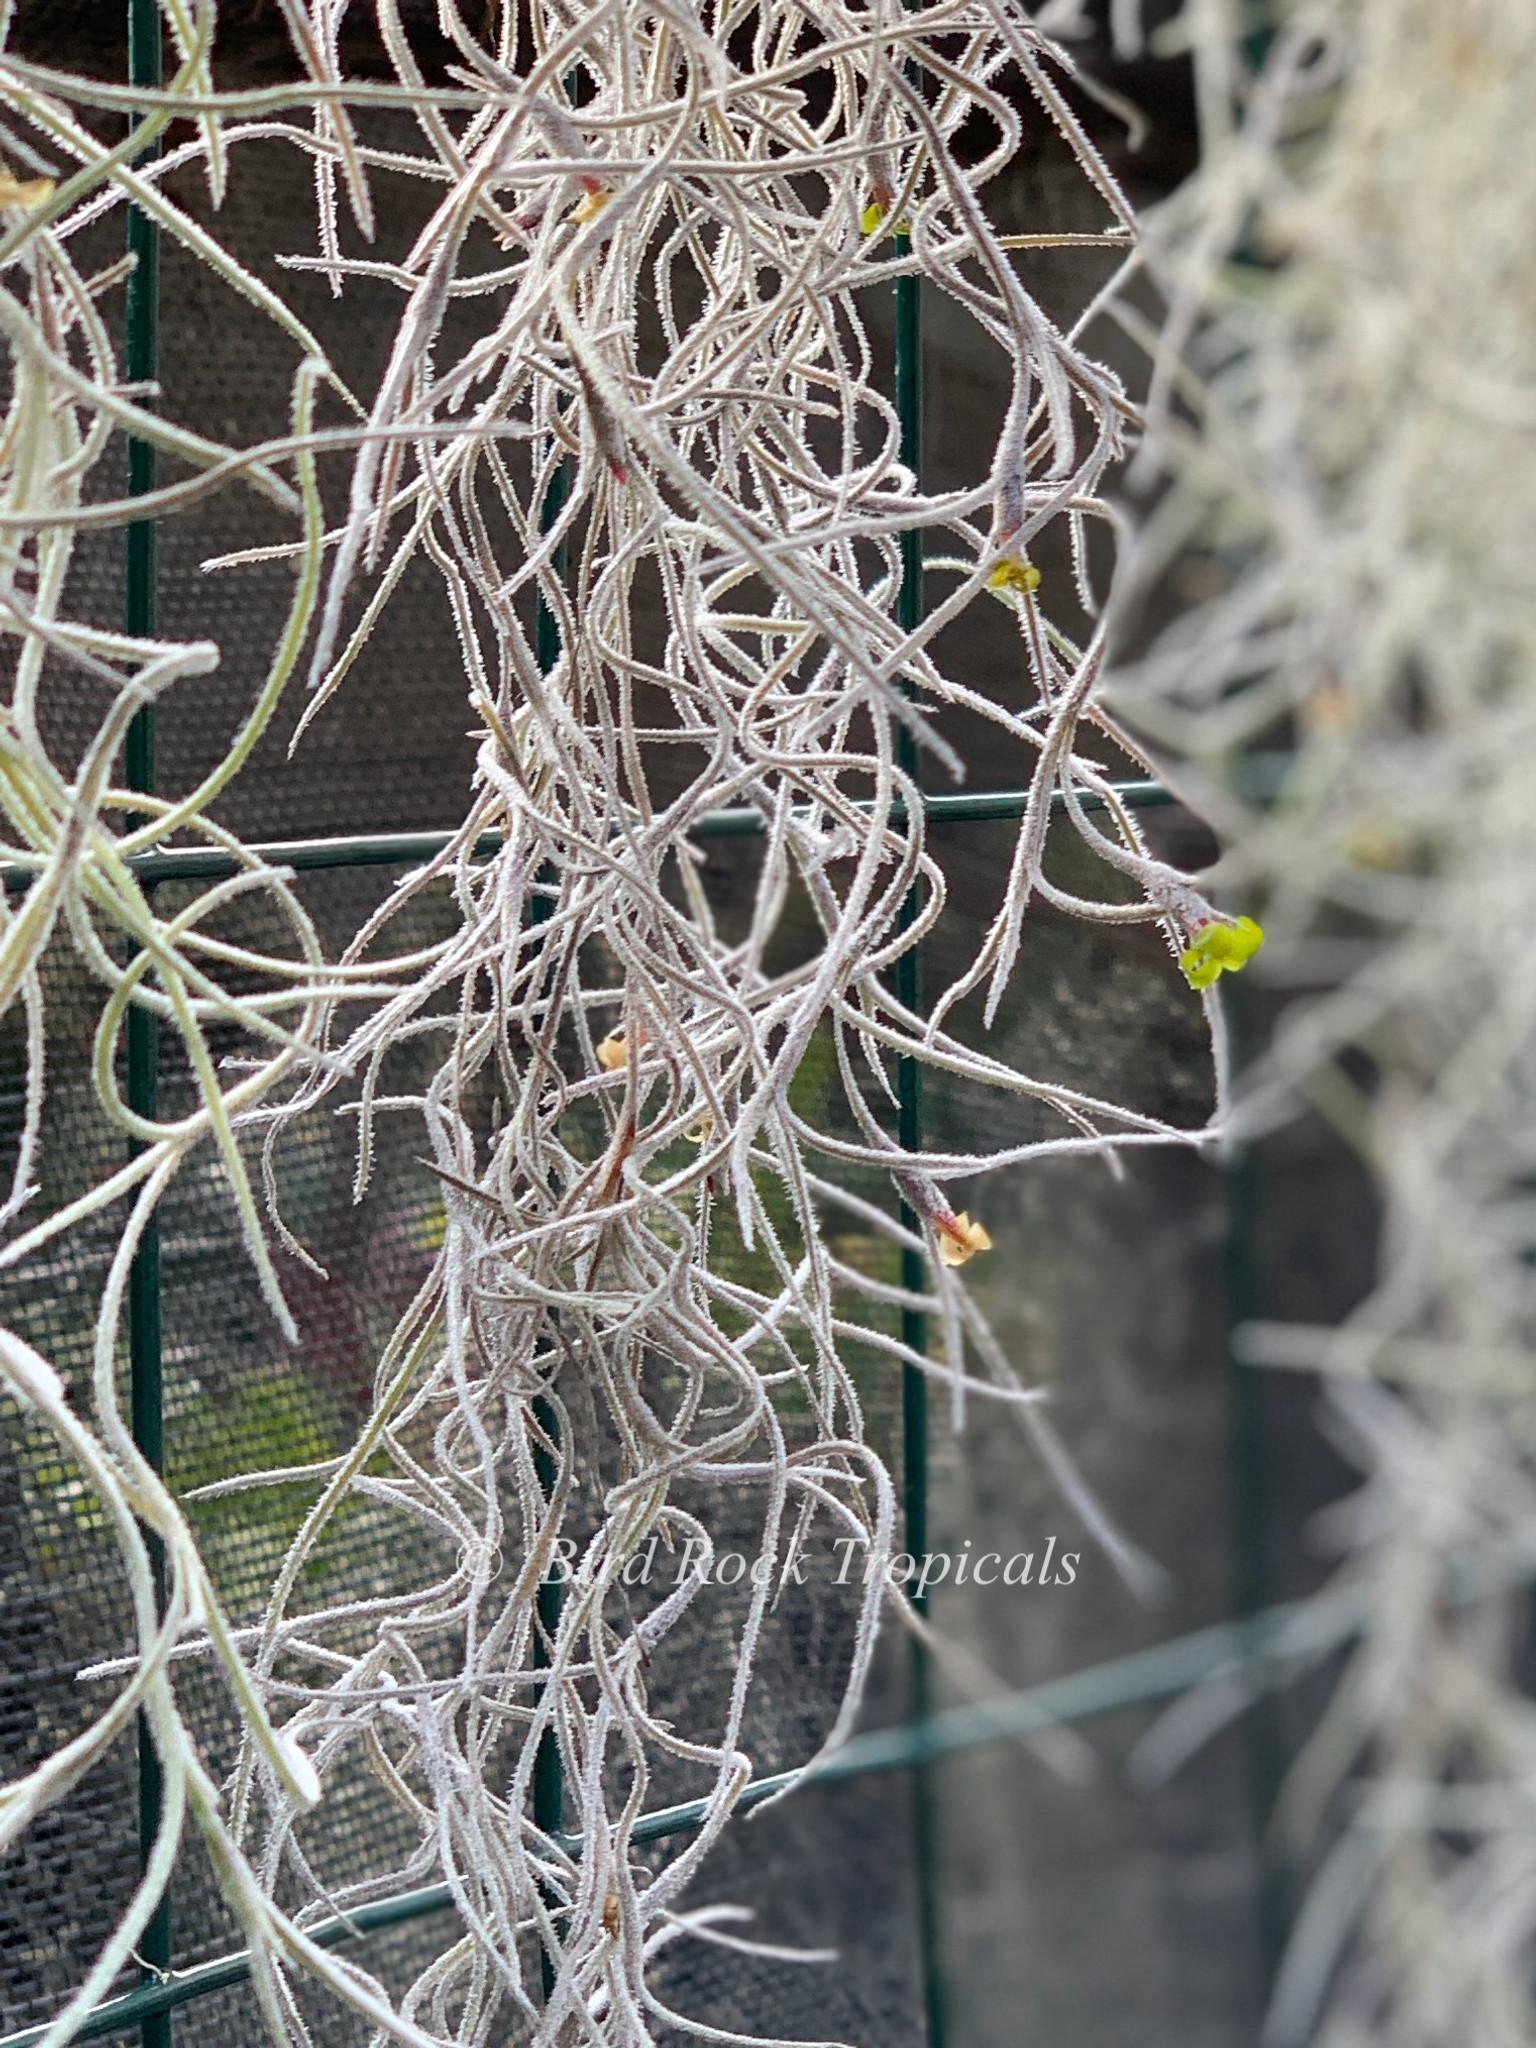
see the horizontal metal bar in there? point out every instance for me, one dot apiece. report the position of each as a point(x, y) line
point(403, 849)
point(209, 863)
point(1011, 803)
point(179, 1986)
point(1274, 1636)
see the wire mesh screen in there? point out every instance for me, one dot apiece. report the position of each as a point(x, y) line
point(238, 1400)
point(1108, 1294)
point(833, 1868)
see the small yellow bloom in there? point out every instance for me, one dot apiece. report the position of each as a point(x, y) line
point(613, 1051)
point(960, 1239)
point(701, 1130)
point(1011, 574)
point(1219, 948)
point(590, 205)
point(27, 192)
point(873, 217)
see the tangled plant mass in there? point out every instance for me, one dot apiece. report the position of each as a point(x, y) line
point(752, 175)
point(1351, 340)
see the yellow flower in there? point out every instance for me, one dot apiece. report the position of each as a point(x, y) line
point(874, 215)
point(1011, 574)
point(701, 1130)
point(28, 192)
point(590, 205)
point(1220, 947)
point(960, 1239)
point(613, 1051)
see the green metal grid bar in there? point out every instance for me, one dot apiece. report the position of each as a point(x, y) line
point(909, 1097)
point(403, 849)
point(146, 1389)
point(1249, 1505)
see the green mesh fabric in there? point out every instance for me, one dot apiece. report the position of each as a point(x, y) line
point(1105, 1290)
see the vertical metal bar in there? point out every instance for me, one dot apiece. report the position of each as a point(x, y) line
point(1249, 1509)
point(146, 1405)
point(909, 972)
point(914, 1324)
point(548, 1789)
point(546, 625)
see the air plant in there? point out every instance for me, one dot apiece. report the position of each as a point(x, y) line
point(1343, 391)
point(751, 471)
